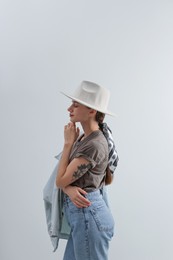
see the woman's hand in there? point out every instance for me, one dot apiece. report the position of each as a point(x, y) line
point(75, 195)
point(71, 133)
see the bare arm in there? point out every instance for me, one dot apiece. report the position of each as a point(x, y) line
point(67, 174)
point(70, 172)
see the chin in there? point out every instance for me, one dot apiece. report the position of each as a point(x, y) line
point(73, 120)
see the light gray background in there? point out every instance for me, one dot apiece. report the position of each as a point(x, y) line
point(48, 46)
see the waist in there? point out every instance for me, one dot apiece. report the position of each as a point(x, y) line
point(91, 196)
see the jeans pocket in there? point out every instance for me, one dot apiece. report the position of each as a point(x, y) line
point(103, 219)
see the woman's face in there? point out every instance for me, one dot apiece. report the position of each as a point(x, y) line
point(78, 112)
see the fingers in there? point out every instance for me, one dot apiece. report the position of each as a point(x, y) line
point(82, 191)
point(80, 200)
point(70, 125)
point(79, 204)
point(71, 129)
point(76, 195)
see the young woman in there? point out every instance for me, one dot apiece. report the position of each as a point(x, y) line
point(83, 171)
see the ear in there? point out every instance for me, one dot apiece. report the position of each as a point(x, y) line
point(93, 112)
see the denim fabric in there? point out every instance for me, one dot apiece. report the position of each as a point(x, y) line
point(91, 229)
point(53, 203)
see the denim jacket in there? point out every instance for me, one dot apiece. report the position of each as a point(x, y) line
point(53, 203)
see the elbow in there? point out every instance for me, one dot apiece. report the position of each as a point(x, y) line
point(58, 181)
point(59, 184)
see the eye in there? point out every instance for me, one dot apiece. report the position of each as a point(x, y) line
point(75, 104)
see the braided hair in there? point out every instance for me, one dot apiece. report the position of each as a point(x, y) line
point(99, 118)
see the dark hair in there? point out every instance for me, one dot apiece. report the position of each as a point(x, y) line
point(99, 118)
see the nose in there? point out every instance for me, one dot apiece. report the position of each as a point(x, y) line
point(70, 108)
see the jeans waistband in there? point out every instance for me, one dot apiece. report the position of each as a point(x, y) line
point(93, 195)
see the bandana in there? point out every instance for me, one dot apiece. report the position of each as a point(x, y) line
point(113, 155)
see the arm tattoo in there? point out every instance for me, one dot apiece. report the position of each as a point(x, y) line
point(82, 169)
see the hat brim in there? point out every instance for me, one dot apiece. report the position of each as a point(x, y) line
point(88, 105)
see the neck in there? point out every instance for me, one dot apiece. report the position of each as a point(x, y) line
point(89, 128)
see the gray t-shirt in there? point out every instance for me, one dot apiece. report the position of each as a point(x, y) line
point(94, 148)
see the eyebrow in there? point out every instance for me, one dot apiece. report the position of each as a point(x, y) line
point(73, 101)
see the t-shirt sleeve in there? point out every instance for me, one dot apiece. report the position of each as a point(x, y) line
point(93, 151)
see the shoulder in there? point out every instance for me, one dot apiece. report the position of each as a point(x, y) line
point(99, 140)
point(97, 146)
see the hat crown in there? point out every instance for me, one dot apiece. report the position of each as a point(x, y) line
point(93, 95)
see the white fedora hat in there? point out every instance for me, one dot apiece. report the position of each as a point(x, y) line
point(92, 95)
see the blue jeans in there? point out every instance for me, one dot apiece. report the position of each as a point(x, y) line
point(91, 229)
